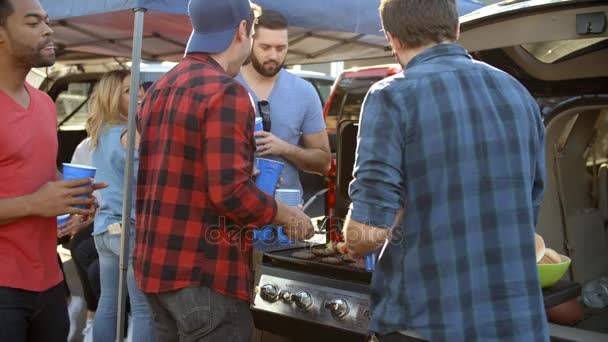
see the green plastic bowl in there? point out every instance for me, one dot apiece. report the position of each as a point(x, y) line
point(551, 273)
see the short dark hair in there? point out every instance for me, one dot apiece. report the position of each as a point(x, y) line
point(6, 9)
point(416, 23)
point(272, 20)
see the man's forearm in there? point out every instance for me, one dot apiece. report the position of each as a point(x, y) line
point(12, 209)
point(363, 239)
point(296, 225)
point(284, 215)
point(313, 160)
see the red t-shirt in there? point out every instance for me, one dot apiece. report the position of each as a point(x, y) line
point(28, 150)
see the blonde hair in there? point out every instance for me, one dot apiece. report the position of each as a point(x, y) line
point(105, 103)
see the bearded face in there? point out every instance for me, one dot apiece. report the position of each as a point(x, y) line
point(267, 67)
point(269, 51)
point(33, 55)
point(26, 35)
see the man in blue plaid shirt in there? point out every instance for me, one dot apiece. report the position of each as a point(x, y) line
point(450, 174)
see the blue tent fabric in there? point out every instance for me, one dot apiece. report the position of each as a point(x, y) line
point(357, 16)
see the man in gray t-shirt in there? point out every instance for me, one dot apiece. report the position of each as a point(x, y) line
point(295, 108)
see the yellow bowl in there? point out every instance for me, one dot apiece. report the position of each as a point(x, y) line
point(550, 273)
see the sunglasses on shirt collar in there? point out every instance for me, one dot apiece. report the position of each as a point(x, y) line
point(264, 110)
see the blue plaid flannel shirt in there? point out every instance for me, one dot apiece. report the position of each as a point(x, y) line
point(459, 146)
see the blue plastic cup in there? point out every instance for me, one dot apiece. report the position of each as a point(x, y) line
point(62, 219)
point(259, 125)
point(270, 172)
point(290, 197)
point(263, 234)
point(370, 261)
point(266, 233)
point(281, 235)
point(75, 171)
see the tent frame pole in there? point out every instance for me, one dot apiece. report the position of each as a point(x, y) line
point(129, 170)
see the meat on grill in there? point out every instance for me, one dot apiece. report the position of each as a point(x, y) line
point(326, 252)
point(347, 258)
point(332, 260)
point(305, 255)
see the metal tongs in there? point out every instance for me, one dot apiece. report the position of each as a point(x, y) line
point(322, 225)
point(312, 199)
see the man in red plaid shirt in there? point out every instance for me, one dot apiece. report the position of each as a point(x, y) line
point(197, 202)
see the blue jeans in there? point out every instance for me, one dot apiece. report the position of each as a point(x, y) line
point(104, 329)
point(198, 314)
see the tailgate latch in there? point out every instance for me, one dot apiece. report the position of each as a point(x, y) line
point(590, 23)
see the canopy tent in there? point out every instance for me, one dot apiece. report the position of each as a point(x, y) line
point(320, 30)
point(159, 29)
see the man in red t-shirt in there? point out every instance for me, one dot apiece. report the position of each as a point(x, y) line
point(32, 300)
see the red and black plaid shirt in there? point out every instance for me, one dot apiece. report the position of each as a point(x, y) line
point(196, 199)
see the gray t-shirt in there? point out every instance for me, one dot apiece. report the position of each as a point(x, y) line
point(295, 109)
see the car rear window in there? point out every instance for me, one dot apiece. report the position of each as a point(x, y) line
point(323, 87)
point(73, 105)
point(561, 50)
point(348, 98)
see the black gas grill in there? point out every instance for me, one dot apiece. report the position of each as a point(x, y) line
point(306, 299)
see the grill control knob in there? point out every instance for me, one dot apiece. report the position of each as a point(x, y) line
point(286, 297)
point(269, 293)
point(338, 308)
point(303, 300)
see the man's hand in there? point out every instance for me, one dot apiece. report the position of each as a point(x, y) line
point(58, 198)
point(358, 258)
point(362, 239)
point(74, 224)
point(299, 227)
point(268, 144)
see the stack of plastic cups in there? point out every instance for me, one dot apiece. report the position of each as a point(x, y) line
point(290, 197)
point(270, 172)
point(75, 171)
